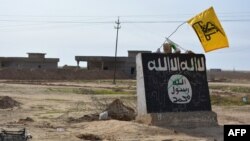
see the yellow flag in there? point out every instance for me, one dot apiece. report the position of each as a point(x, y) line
point(209, 30)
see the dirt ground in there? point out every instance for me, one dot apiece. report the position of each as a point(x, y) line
point(46, 108)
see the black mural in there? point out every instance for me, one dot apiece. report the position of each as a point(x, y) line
point(175, 82)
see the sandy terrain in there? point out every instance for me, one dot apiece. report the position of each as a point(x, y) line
point(50, 105)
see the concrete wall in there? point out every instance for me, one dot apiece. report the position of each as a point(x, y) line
point(130, 68)
point(127, 67)
point(140, 88)
point(23, 65)
point(36, 55)
point(94, 65)
point(35, 60)
point(180, 119)
point(124, 64)
point(59, 74)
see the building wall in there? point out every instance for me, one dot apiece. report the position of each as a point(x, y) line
point(127, 67)
point(59, 74)
point(36, 55)
point(40, 65)
point(33, 61)
point(24, 65)
point(124, 64)
point(94, 65)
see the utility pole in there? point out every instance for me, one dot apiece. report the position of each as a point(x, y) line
point(117, 31)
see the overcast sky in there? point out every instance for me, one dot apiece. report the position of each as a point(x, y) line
point(66, 28)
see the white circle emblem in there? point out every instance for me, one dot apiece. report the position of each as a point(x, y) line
point(179, 89)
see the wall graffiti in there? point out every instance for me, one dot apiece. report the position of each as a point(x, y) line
point(179, 89)
point(175, 82)
point(174, 64)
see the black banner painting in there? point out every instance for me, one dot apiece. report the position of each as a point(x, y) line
point(175, 82)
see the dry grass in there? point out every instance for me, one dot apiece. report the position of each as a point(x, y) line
point(229, 95)
point(227, 100)
point(235, 89)
point(115, 90)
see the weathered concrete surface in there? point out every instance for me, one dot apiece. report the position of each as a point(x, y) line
point(140, 87)
point(59, 74)
point(34, 61)
point(180, 119)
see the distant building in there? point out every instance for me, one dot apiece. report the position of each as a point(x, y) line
point(215, 70)
point(70, 67)
point(124, 64)
point(34, 60)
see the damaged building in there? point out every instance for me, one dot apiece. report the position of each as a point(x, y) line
point(34, 60)
point(125, 64)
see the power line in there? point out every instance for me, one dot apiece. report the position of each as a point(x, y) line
point(156, 15)
point(101, 22)
point(127, 22)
